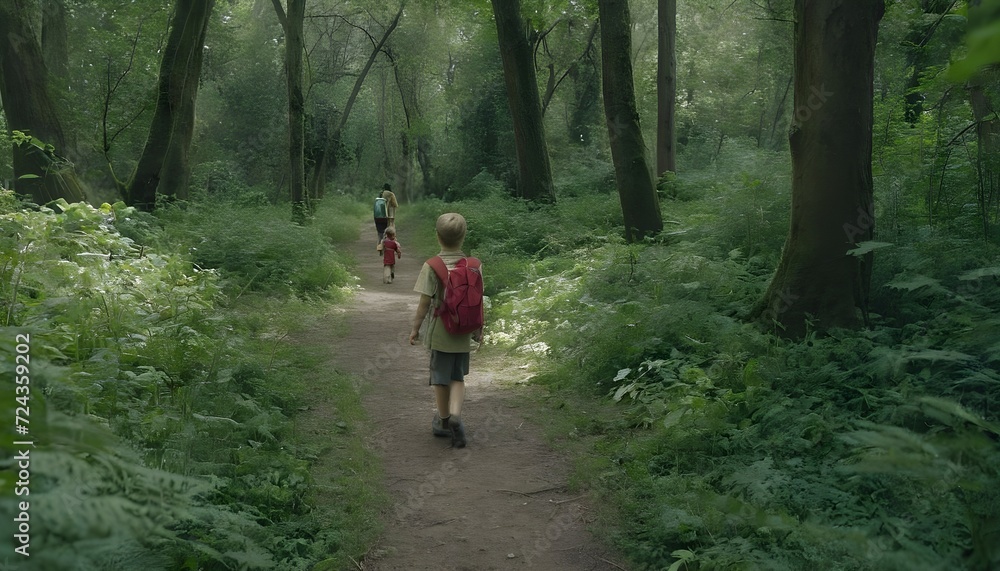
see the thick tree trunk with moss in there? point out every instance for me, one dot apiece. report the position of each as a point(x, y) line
point(186, 36)
point(534, 179)
point(175, 175)
point(666, 87)
point(28, 106)
point(640, 205)
point(818, 281)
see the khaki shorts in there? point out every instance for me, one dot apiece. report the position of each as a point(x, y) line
point(448, 367)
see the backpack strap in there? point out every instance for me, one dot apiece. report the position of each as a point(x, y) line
point(437, 264)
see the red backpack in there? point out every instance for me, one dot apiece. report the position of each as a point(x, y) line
point(461, 308)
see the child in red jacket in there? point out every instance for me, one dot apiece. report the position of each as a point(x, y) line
point(390, 251)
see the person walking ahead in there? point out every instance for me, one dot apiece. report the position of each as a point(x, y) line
point(384, 210)
point(449, 361)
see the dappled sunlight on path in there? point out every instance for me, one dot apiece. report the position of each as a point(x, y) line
point(500, 503)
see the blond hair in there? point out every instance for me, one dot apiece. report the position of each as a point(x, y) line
point(451, 228)
point(389, 196)
point(390, 199)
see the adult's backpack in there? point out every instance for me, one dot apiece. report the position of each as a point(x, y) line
point(381, 211)
point(461, 308)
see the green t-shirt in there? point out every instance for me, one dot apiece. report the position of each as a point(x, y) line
point(434, 334)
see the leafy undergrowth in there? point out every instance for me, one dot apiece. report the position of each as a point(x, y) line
point(259, 251)
point(723, 447)
point(164, 389)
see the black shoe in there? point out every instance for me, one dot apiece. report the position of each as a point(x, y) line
point(437, 427)
point(457, 433)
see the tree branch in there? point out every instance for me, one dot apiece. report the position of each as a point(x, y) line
point(368, 65)
point(550, 91)
point(109, 94)
point(280, 10)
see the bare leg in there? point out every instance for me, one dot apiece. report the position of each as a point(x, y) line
point(456, 397)
point(441, 394)
point(456, 394)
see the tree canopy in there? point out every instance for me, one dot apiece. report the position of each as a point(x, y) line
point(748, 251)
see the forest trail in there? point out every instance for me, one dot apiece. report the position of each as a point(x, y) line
point(499, 503)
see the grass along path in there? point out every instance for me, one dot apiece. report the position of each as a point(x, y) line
point(500, 503)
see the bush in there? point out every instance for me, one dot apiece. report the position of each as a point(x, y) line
point(165, 418)
point(481, 186)
point(257, 248)
point(222, 181)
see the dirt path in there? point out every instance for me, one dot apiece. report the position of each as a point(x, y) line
point(500, 503)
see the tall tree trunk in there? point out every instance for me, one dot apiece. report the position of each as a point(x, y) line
point(666, 87)
point(55, 52)
point(54, 45)
point(779, 112)
point(28, 106)
point(185, 36)
point(817, 280)
point(534, 179)
point(175, 174)
point(983, 89)
point(411, 111)
point(640, 205)
point(988, 152)
point(408, 98)
point(586, 101)
point(426, 170)
point(293, 23)
point(316, 153)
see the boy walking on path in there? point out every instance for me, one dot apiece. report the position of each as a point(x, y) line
point(390, 251)
point(449, 351)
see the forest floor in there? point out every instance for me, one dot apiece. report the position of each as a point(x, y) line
point(500, 503)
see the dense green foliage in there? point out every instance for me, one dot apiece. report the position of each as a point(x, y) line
point(721, 446)
point(166, 376)
point(163, 388)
